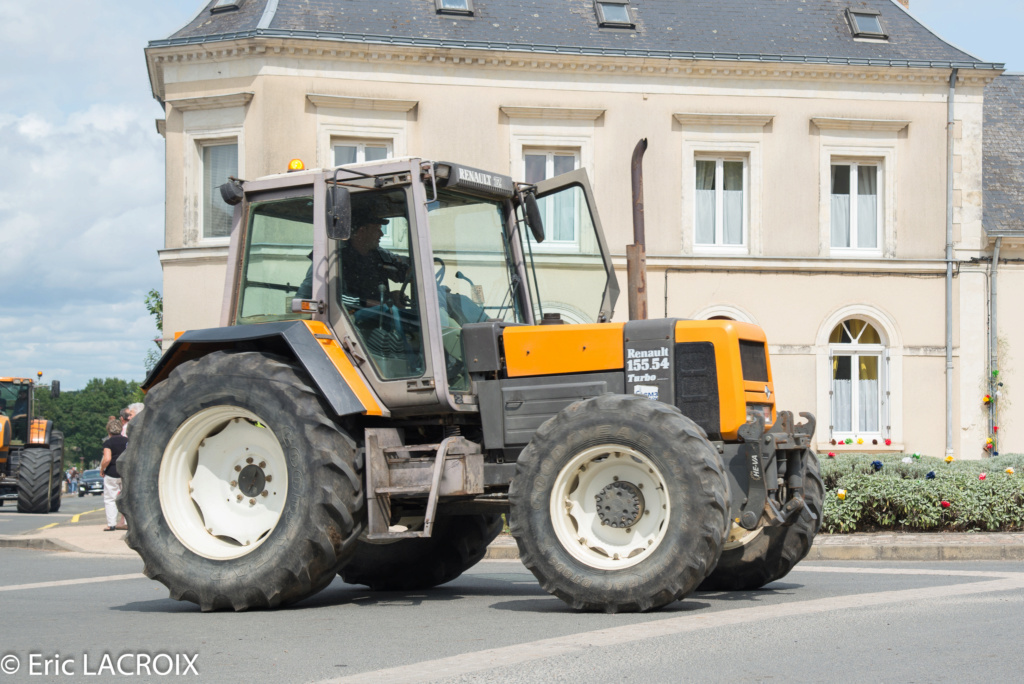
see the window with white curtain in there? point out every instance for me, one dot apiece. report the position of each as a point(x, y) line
point(358, 151)
point(561, 212)
point(720, 204)
point(219, 160)
point(855, 208)
point(858, 354)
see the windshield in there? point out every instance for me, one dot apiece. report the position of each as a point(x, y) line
point(278, 260)
point(471, 260)
point(14, 405)
point(472, 267)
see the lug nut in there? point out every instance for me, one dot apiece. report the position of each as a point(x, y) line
point(249, 460)
point(239, 497)
point(264, 493)
point(238, 469)
point(252, 502)
point(234, 483)
point(269, 478)
point(263, 464)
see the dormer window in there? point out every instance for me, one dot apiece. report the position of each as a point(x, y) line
point(613, 14)
point(225, 6)
point(463, 7)
point(866, 23)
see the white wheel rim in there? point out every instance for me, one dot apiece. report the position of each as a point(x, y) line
point(207, 490)
point(579, 525)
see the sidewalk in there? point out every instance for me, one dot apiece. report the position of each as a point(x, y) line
point(87, 536)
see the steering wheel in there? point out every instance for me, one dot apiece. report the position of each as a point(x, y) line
point(440, 272)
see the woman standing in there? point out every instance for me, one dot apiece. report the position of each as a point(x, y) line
point(112, 448)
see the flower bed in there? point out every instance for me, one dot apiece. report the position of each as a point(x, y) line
point(926, 494)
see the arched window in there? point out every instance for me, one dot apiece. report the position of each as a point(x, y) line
point(857, 356)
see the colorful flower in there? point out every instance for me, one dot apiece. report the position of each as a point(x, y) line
point(860, 440)
point(841, 494)
point(945, 504)
point(888, 442)
point(930, 475)
point(916, 455)
point(981, 477)
point(949, 459)
point(877, 465)
point(848, 441)
point(831, 454)
point(987, 399)
point(1009, 471)
point(907, 459)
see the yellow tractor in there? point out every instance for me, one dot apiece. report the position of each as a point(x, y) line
point(31, 451)
point(410, 349)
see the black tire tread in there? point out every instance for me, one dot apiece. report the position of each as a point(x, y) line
point(656, 418)
point(35, 480)
point(771, 555)
point(456, 544)
point(308, 558)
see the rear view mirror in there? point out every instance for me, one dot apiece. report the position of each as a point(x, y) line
point(339, 212)
point(231, 192)
point(55, 389)
point(533, 218)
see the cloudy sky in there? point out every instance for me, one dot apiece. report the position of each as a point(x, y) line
point(82, 172)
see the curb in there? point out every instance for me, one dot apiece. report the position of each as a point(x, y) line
point(40, 544)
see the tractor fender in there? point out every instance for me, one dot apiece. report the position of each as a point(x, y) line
point(5, 434)
point(310, 344)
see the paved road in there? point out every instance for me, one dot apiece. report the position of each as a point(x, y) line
point(13, 522)
point(827, 621)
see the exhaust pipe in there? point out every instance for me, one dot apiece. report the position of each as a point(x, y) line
point(636, 253)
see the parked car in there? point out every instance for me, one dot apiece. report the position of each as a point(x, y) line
point(91, 482)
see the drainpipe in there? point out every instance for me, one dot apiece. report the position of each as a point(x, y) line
point(636, 253)
point(993, 350)
point(950, 123)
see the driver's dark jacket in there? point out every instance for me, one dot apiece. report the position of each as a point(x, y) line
point(362, 276)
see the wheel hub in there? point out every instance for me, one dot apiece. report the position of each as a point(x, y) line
point(252, 480)
point(620, 504)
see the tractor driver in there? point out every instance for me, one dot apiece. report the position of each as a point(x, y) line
point(367, 268)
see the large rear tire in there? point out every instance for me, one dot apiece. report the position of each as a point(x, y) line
point(768, 554)
point(57, 449)
point(455, 545)
point(619, 503)
point(238, 490)
point(35, 480)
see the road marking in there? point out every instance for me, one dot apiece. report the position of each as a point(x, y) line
point(467, 663)
point(66, 583)
point(15, 514)
point(46, 527)
point(75, 518)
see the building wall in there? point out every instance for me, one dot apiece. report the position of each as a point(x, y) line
point(785, 124)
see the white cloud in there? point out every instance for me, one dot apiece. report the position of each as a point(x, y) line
point(81, 186)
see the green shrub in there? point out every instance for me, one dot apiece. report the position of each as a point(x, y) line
point(899, 497)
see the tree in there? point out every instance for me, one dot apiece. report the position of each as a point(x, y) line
point(82, 415)
point(155, 306)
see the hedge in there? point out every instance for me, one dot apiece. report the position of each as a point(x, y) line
point(901, 497)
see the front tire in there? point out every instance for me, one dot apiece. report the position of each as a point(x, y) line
point(238, 490)
point(35, 480)
point(619, 503)
point(57, 450)
point(456, 544)
point(768, 554)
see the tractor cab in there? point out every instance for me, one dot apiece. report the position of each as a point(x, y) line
point(397, 257)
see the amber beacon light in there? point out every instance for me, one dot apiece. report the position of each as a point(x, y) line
point(296, 165)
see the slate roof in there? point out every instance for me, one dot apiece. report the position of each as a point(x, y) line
point(801, 31)
point(1003, 156)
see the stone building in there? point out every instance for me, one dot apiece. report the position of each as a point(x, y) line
point(796, 177)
